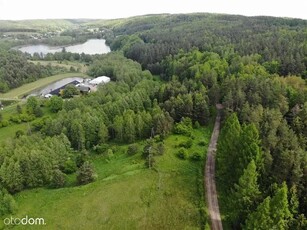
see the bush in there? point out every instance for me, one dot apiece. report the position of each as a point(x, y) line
point(186, 144)
point(182, 129)
point(196, 156)
point(69, 166)
point(202, 143)
point(58, 179)
point(182, 153)
point(7, 203)
point(132, 149)
point(86, 173)
point(100, 149)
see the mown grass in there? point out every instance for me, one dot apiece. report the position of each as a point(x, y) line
point(28, 88)
point(127, 195)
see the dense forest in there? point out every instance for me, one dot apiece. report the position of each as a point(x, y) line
point(168, 72)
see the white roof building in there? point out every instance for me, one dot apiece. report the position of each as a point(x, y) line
point(100, 80)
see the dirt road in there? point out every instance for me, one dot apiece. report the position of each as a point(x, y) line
point(209, 180)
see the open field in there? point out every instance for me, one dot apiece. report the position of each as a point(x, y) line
point(127, 195)
point(28, 88)
point(66, 64)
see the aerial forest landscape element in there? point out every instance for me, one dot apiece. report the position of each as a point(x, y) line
point(131, 153)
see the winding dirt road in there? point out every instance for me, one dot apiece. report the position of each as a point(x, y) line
point(209, 182)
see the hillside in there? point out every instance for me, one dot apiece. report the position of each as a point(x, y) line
point(132, 154)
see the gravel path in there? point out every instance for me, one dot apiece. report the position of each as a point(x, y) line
point(209, 180)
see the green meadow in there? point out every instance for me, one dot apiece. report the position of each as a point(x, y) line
point(126, 194)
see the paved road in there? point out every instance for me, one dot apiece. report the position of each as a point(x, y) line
point(210, 187)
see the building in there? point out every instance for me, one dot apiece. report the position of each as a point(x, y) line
point(100, 80)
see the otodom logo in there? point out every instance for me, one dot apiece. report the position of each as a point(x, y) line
point(24, 221)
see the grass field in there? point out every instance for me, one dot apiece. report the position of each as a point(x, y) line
point(66, 64)
point(28, 88)
point(127, 195)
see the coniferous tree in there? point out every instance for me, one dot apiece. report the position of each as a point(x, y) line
point(246, 194)
point(228, 149)
point(260, 219)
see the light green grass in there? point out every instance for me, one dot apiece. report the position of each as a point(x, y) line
point(126, 195)
point(28, 88)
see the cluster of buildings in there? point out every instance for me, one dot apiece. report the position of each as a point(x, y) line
point(85, 86)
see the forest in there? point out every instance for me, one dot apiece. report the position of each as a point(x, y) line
point(167, 74)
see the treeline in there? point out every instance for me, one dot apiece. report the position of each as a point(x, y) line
point(15, 70)
point(263, 175)
point(150, 39)
point(262, 149)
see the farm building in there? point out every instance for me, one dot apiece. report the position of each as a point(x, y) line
point(100, 80)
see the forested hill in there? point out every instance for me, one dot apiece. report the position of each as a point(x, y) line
point(148, 39)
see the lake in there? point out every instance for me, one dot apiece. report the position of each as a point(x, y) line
point(92, 46)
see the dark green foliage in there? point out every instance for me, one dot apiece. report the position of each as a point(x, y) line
point(182, 153)
point(245, 194)
point(69, 166)
point(196, 156)
point(55, 104)
point(58, 179)
point(271, 213)
point(132, 149)
point(15, 70)
point(70, 91)
point(186, 144)
point(7, 203)
point(150, 39)
point(29, 161)
point(86, 173)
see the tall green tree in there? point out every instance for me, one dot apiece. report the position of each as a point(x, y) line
point(279, 208)
point(245, 195)
point(227, 153)
point(260, 219)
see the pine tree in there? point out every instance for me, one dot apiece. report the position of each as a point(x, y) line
point(279, 208)
point(227, 155)
point(246, 193)
point(248, 149)
point(260, 219)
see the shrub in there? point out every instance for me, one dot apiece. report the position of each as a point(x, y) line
point(100, 149)
point(69, 166)
point(202, 143)
point(182, 129)
point(132, 149)
point(196, 156)
point(186, 144)
point(58, 179)
point(7, 203)
point(182, 153)
point(86, 173)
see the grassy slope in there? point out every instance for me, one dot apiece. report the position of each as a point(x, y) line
point(27, 88)
point(126, 195)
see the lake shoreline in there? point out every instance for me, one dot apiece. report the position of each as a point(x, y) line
point(86, 48)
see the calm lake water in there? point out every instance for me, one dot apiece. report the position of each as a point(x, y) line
point(92, 46)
